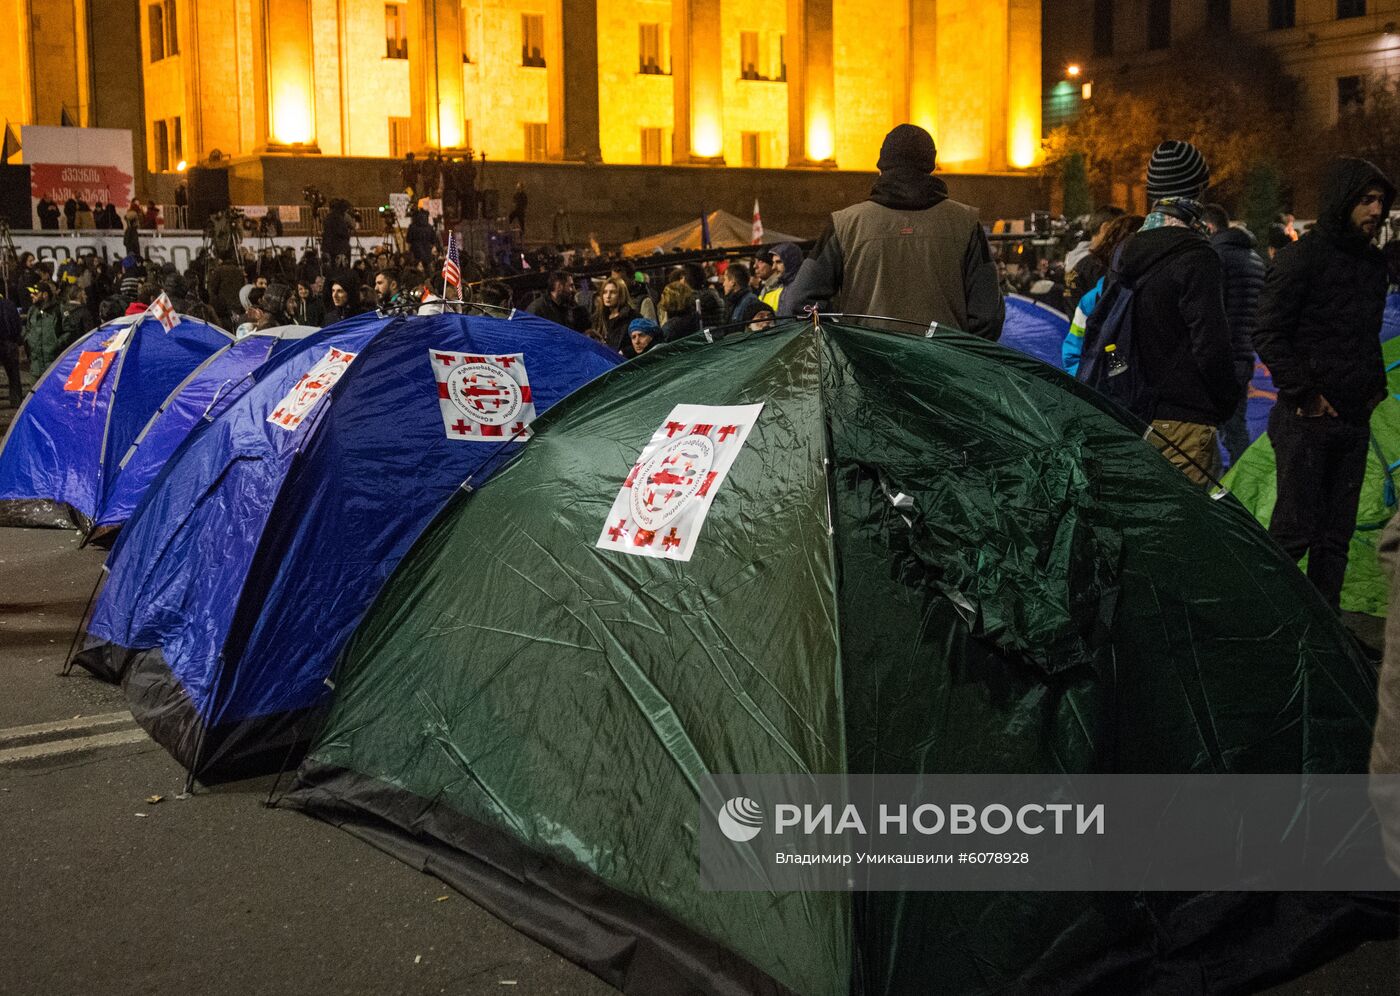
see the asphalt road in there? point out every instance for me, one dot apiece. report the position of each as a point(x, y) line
point(104, 891)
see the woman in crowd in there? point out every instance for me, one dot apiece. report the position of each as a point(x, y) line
point(612, 316)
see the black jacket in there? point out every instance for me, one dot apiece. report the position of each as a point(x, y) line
point(1244, 280)
point(1323, 302)
point(571, 316)
point(1180, 332)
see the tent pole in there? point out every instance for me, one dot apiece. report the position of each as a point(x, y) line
point(82, 625)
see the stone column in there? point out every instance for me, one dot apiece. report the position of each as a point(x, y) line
point(573, 86)
point(922, 61)
point(286, 92)
point(1023, 107)
point(811, 84)
point(436, 106)
point(697, 76)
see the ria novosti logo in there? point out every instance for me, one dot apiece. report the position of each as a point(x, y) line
point(740, 819)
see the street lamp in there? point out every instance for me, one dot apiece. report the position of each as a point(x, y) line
point(1073, 70)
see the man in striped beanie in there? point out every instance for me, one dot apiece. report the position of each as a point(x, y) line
point(1179, 343)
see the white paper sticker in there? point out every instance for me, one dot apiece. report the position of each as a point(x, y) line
point(665, 499)
point(483, 398)
point(299, 401)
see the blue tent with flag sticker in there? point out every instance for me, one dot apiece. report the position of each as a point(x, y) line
point(254, 554)
point(60, 458)
point(200, 398)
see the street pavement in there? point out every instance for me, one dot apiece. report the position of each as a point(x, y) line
point(113, 883)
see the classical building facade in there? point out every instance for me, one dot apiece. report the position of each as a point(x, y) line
point(734, 82)
point(1333, 47)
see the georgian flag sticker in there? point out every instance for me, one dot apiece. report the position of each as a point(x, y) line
point(298, 402)
point(483, 398)
point(668, 493)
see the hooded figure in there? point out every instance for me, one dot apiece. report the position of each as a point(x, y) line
point(1319, 333)
point(909, 252)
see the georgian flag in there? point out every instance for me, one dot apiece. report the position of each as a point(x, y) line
point(484, 398)
point(667, 495)
point(162, 309)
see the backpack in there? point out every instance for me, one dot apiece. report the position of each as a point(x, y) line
point(1118, 373)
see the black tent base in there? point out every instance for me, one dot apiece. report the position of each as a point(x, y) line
point(1165, 942)
point(224, 752)
point(629, 944)
point(41, 513)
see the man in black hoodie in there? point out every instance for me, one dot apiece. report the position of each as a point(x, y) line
point(909, 252)
point(1319, 333)
point(1181, 337)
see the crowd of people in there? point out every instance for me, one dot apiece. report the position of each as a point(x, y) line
point(1169, 308)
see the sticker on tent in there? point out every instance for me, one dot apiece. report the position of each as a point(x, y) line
point(88, 374)
point(299, 401)
point(483, 399)
point(666, 497)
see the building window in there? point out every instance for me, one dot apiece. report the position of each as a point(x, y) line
point(1159, 24)
point(652, 57)
point(398, 137)
point(464, 28)
point(177, 142)
point(652, 139)
point(395, 32)
point(1218, 13)
point(172, 34)
point(755, 58)
point(748, 56)
point(536, 149)
point(1282, 14)
point(1103, 27)
point(1350, 8)
point(155, 30)
point(160, 145)
point(1351, 95)
point(751, 144)
point(532, 41)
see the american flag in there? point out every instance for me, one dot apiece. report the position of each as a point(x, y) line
point(452, 265)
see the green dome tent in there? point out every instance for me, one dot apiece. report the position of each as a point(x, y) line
point(830, 549)
point(1252, 480)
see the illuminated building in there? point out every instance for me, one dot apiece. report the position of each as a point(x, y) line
point(325, 92)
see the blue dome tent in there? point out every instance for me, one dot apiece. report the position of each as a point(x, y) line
point(59, 459)
point(208, 390)
point(1034, 329)
point(253, 556)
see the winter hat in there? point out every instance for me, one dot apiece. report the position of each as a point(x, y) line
point(910, 146)
point(1177, 169)
point(130, 287)
point(644, 325)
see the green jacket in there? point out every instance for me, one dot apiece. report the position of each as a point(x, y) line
point(42, 327)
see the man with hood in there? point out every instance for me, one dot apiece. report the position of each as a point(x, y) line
point(1319, 333)
point(785, 260)
point(908, 252)
point(1181, 336)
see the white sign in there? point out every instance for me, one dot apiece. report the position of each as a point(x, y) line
point(665, 499)
point(313, 385)
point(483, 398)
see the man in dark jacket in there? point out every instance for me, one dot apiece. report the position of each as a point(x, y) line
point(740, 303)
point(422, 239)
point(11, 335)
point(1181, 336)
point(559, 303)
point(1244, 280)
point(908, 252)
point(1319, 333)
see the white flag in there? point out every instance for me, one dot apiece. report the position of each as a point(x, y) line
point(757, 225)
